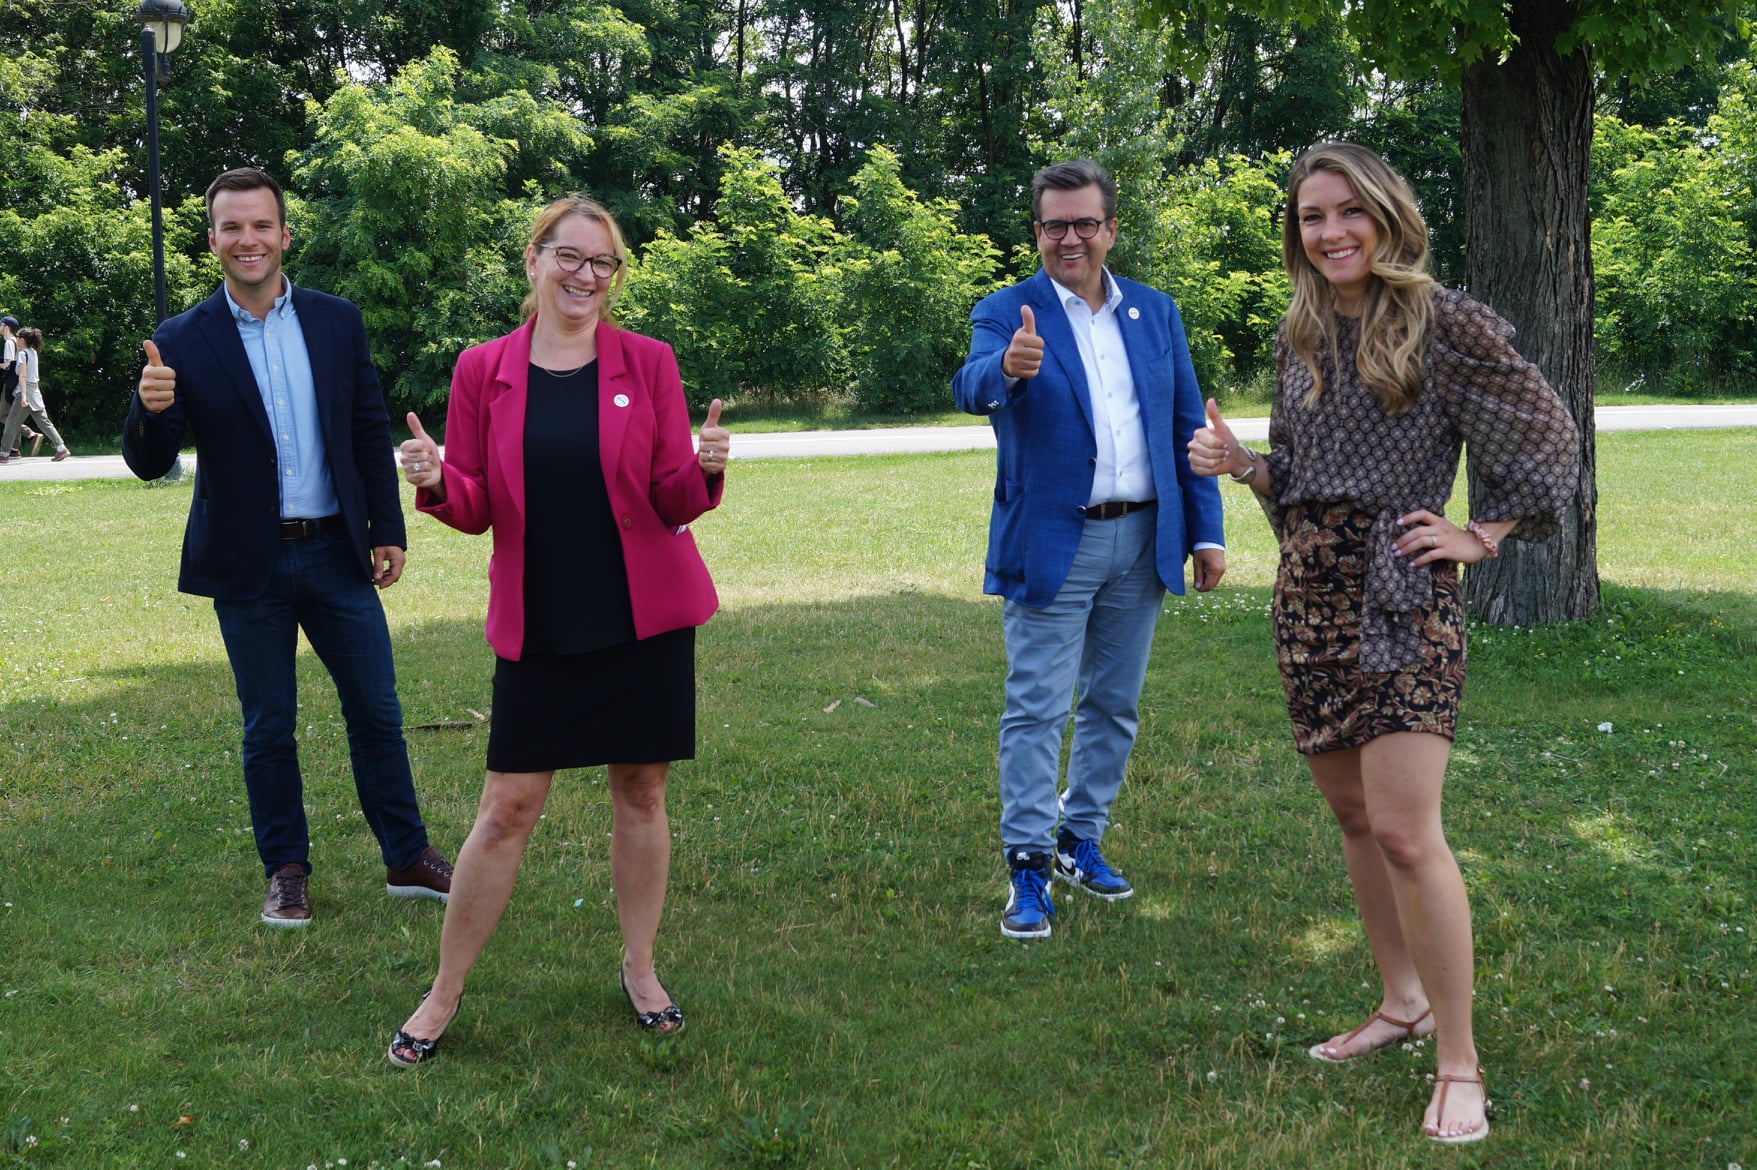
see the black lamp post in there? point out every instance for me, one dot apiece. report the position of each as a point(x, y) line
point(161, 31)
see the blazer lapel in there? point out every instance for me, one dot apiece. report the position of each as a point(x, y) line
point(615, 388)
point(507, 399)
point(214, 322)
point(1059, 345)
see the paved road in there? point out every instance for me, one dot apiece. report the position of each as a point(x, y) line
point(905, 440)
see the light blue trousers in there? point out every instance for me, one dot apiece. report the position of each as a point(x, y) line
point(1097, 634)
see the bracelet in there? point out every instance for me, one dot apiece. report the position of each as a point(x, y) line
point(1248, 476)
point(1490, 548)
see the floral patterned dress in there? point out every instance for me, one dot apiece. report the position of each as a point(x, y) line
point(1367, 643)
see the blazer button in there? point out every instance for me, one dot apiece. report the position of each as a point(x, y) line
point(1091, 463)
point(628, 522)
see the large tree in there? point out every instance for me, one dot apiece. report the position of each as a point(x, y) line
point(1527, 70)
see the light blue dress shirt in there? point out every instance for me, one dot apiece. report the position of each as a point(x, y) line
point(282, 365)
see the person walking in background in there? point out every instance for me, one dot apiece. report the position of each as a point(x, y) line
point(30, 397)
point(1381, 377)
point(295, 519)
point(1087, 381)
point(569, 438)
point(12, 403)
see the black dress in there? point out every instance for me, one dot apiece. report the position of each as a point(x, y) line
point(584, 690)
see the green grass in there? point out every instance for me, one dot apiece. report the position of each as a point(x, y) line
point(831, 930)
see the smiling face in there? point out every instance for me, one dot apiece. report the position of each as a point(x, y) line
point(248, 235)
point(1076, 264)
point(1339, 236)
point(573, 300)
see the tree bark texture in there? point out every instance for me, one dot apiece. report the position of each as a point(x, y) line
point(1527, 144)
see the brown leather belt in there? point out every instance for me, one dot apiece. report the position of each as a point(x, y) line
point(1114, 509)
point(301, 529)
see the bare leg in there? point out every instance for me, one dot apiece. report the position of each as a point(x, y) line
point(1338, 776)
point(481, 886)
point(640, 864)
point(1403, 775)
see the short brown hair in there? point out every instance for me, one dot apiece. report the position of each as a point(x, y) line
point(245, 179)
point(1072, 176)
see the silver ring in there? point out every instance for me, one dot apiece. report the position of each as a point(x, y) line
point(1433, 542)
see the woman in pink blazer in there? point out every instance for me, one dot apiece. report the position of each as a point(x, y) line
point(570, 439)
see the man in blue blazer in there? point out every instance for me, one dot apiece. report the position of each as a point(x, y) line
point(296, 517)
point(1086, 379)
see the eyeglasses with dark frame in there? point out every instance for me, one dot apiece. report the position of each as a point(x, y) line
point(1057, 229)
point(603, 266)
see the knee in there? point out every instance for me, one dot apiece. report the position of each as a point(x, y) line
point(1404, 847)
point(505, 819)
point(639, 789)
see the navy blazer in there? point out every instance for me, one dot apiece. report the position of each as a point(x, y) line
point(230, 543)
point(1046, 448)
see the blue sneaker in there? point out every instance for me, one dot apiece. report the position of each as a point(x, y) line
point(1029, 907)
point(1080, 863)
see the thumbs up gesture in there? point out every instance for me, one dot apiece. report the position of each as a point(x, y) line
point(1024, 353)
point(714, 444)
point(420, 456)
point(1214, 449)
point(158, 382)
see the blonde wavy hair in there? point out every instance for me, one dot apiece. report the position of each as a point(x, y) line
point(544, 228)
point(1397, 314)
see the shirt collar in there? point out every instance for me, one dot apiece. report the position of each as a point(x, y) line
point(282, 306)
point(1112, 294)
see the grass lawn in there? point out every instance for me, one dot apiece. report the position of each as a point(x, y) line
point(832, 927)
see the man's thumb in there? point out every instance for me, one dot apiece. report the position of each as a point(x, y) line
point(1029, 319)
point(152, 353)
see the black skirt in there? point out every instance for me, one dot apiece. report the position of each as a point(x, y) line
point(631, 703)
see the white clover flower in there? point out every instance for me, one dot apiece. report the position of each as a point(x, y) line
point(1212, 1075)
point(1606, 728)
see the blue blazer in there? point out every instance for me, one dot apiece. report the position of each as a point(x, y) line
point(230, 542)
point(1046, 449)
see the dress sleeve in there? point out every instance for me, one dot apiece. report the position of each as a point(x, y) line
point(1519, 438)
point(1280, 455)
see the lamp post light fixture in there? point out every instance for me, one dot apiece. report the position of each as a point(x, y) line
point(161, 31)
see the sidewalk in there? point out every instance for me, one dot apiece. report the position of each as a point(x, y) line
point(910, 440)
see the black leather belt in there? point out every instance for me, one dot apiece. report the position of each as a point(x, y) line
point(301, 529)
point(1114, 509)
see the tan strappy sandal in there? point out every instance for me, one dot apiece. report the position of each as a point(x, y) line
point(1316, 1051)
point(1446, 1081)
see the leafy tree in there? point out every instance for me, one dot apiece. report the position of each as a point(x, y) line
point(748, 302)
point(1527, 70)
point(908, 281)
point(81, 270)
point(405, 209)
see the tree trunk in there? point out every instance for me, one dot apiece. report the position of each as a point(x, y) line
point(1527, 144)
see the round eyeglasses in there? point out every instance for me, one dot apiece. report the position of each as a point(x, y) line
point(603, 266)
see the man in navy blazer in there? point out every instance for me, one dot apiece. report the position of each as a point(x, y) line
point(1086, 379)
point(296, 517)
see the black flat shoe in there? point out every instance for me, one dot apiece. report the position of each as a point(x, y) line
point(666, 1022)
point(407, 1051)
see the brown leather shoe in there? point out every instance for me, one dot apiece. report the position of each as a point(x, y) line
point(287, 903)
point(60, 455)
point(429, 877)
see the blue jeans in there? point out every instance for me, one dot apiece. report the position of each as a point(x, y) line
point(1096, 634)
point(318, 586)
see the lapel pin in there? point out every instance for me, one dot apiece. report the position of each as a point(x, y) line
point(620, 400)
point(1134, 313)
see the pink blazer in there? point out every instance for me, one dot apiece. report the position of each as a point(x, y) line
point(656, 486)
